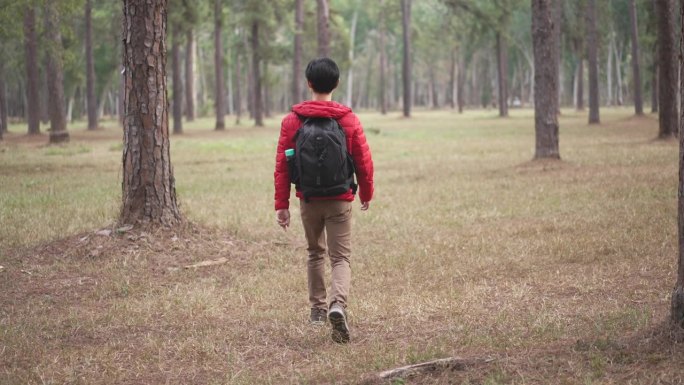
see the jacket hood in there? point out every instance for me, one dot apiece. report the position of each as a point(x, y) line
point(321, 109)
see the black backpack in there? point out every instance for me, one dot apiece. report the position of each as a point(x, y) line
point(321, 166)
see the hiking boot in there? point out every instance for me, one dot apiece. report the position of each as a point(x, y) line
point(318, 316)
point(338, 320)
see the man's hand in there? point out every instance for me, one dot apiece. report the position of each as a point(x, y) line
point(283, 218)
point(364, 206)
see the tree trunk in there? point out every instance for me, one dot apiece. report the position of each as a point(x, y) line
point(502, 73)
point(619, 98)
point(177, 82)
point(218, 65)
point(121, 97)
point(266, 87)
point(90, 68)
point(55, 75)
point(3, 101)
point(451, 90)
point(350, 74)
point(655, 87)
point(544, 34)
point(406, 67)
point(256, 64)
point(33, 107)
point(190, 76)
point(238, 87)
point(298, 52)
point(460, 93)
point(592, 51)
point(149, 192)
point(609, 70)
point(580, 84)
point(323, 12)
point(677, 308)
point(667, 62)
point(383, 59)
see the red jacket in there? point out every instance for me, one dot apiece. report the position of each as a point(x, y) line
point(356, 145)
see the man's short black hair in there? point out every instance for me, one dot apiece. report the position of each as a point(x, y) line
point(323, 74)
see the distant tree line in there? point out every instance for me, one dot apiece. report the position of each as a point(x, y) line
point(244, 58)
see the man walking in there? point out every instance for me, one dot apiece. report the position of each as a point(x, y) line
point(321, 146)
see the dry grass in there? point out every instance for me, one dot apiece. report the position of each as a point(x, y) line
point(560, 271)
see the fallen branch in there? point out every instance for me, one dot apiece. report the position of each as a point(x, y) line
point(451, 363)
point(219, 261)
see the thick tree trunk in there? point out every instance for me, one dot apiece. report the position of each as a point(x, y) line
point(298, 53)
point(33, 107)
point(544, 32)
point(149, 192)
point(256, 64)
point(55, 75)
point(677, 309)
point(218, 65)
point(190, 76)
point(177, 82)
point(667, 62)
point(406, 67)
point(121, 97)
point(502, 73)
point(323, 12)
point(592, 53)
point(90, 68)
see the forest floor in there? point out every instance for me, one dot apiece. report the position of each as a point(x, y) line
point(534, 272)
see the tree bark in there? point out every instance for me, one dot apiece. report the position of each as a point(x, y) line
point(298, 52)
point(383, 59)
point(149, 192)
point(667, 61)
point(55, 75)
point(677, 304)
point(190, 76)
point(218, 65)
point(502, 73)
point(323, 12)
point(460, 93)
point(592, 53)
point(177, 82)
point(256, 64)
point(544, 34)
point(33, 107)
point(406, 67)
point(90, 68)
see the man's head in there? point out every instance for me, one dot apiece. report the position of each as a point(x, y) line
point(323, 75)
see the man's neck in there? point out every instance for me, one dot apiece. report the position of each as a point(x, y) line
point(321, 97)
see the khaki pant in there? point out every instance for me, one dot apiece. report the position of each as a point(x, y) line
point(335, 218)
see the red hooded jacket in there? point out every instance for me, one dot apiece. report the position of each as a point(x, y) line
point(356, 145)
